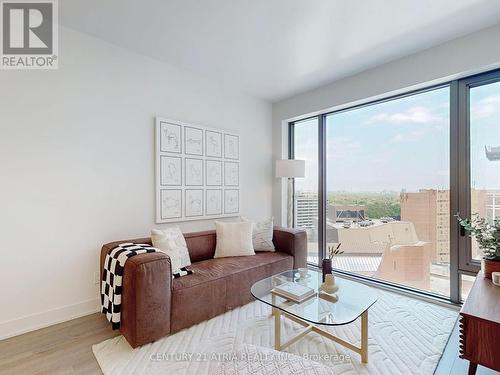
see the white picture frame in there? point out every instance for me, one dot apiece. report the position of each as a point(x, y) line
point(193, 203)
point(213, 172)
point(231, 173)
point(213, 144)
point(170, 137)
point(213, 202)
point(231, 201)
point(193, 141)
point(190, 173)
point(193, 171)
point(231, 146)
point(170, 170)
point(171, 203)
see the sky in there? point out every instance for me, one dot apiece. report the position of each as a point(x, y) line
point(401, 144)
point(485, 131)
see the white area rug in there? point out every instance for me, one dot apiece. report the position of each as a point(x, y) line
point(406, 336)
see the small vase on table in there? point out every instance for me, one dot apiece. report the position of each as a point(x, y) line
point(329, 285)
point(326, 265)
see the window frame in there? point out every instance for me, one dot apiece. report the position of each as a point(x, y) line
point(321, 214)
point(461, 262)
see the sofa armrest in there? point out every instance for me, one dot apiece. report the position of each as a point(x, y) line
point(292, 241)
point(146, 298)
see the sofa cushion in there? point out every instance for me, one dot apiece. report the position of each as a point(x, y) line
point(212, 269)
point(238, 284)
point(217, 285)
point(201, 245)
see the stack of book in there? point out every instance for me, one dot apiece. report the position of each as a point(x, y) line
point(294, 291)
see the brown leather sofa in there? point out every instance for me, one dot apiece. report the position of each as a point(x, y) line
point(155, 305)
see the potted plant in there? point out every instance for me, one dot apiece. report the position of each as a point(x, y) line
point(487, 236)
point(326, 265)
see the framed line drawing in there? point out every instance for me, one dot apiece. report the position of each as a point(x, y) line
point(193, 202)
point(193, 171)
point(213, 144)
point(213, 172)
point(193, 141)
point(171, 203)
point(213, 202)
point(170, 170)
point(231, 146)
point(231, 173)
point(197, 172)
point(170, 139)
point(231, 201)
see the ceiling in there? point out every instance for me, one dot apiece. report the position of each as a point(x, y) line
point(274, 49)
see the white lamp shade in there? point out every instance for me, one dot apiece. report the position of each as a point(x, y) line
point(290, 168)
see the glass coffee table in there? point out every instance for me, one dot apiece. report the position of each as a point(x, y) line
point(350, 302)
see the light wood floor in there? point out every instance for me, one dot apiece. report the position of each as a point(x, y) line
point(66, 349)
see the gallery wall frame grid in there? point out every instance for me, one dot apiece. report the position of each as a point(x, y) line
point(197, 172)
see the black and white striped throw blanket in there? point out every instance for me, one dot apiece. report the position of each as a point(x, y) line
point(112, 274)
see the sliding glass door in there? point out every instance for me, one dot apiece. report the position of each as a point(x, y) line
point(387, 168)
point(479, 104)
point(388, 178)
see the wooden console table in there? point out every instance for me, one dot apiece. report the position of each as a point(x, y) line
point(480, 325)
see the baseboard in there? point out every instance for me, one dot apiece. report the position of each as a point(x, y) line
point(47, 318)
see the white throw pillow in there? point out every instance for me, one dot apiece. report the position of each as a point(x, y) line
point(171, 241)
point(262, 235)
point(233, 239)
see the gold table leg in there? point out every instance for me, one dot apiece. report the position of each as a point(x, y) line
point(363, 350)
point(277, 329)
point(364, 337)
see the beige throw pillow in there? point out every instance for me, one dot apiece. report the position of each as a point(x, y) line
point(171, 241)
point(233, 239)
point(262, 235)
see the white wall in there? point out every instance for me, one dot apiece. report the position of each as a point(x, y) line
point(473, 53)
point(77, 168)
